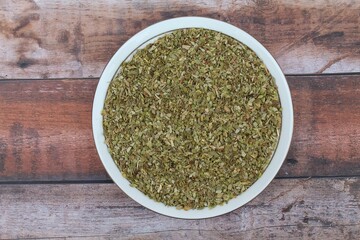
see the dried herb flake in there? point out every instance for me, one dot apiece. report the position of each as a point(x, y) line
point(192, 120)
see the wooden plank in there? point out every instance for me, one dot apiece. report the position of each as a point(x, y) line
point(287, 209)
point(72, 39)
point(45, 129)
point(326, 139)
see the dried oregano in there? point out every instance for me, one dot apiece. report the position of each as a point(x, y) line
point(192, 119)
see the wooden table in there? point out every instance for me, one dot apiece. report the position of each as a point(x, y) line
point(53, 184)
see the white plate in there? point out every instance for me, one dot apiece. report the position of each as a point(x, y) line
point(146, 36)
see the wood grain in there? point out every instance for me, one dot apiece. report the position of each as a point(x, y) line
point(74, 39)
point(287, 209)
point(326, 138)
point(45, 129)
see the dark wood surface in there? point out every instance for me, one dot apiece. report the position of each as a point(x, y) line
point(46, 132)
point(52, 183)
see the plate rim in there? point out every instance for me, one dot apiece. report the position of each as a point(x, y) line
point(145, 36)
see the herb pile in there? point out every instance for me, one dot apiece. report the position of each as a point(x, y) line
point(192, 120)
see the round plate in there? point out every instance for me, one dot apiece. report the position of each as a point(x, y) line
point(149, 35)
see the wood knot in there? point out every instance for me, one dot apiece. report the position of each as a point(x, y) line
point(63, 36)
point(24, 62)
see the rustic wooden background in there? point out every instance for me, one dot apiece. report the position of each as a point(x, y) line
point(52, 183)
